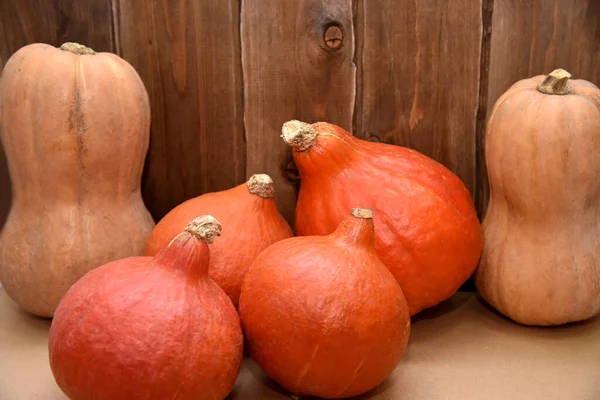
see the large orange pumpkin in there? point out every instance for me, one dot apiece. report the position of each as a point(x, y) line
point(252, 223)
point(151, 328)
point(541, 255)
point(426, 227)
point(75, 125)
point(322, 315)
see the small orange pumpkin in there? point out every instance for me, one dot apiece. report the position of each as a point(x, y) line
point(252, 223)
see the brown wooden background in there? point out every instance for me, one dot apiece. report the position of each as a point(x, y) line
point(223, 75)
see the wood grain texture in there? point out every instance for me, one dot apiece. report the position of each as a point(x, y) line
point(418, 84)
point(23, 22)
point(535, 37)
point(188, 55)
point(291, 73)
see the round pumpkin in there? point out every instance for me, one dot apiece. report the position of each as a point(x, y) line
point(541, 256)
point(151, 328)
point(75, 127)
point(322, 315)
point(252, 223)
point(426, 227)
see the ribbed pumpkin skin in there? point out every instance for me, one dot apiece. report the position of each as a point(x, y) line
point(251, 224)
point(75, 129)
point(541, 257)
point(426, 227)
point(322, 315)
point(149, 329)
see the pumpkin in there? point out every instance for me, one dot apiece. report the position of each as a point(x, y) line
point(252, 223)
point(322, 315)
point(541, 257)
point(75, 128)
point(149, 328)
point(426, 227)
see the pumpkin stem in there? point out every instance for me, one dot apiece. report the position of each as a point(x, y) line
point(299, 135)
point(362, 213)
point(205, 227)
point(261, 185)
point(77, 48)
point(555, 83)
point(357, 227)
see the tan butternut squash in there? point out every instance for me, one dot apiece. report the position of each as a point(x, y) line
point(541, 254)
point(75, 128)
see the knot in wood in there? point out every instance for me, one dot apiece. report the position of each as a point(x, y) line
point(333, 37)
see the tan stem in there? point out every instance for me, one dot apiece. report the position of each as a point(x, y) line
point(261, 185)
point(299, 135)
point(77, 48)
point(357, 228)
point(205, 227)
point(555, 83)
point(362, 213)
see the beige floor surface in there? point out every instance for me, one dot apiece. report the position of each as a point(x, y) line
point(459, 350)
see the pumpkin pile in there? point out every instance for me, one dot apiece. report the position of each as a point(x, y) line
point(382, 232)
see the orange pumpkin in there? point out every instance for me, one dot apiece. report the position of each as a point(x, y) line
point(252, 223)
point(426, 227)
point(322, 315)
point(150, 328)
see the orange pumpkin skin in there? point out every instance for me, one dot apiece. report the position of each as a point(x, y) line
point(148, 328)
point(75, 127)
point(541, 257)
point(252, 223)
point(322, 315)
point(426, 227)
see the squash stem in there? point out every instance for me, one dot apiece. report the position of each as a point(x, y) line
point(77, 48)
point(299, 135)
point(205, 227)
point(556, 83)
point(261, 185)
point(357, 228)
point(362, 213)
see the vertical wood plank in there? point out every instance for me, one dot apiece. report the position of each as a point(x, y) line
point(188, 55)
point(290, 72)
point(535, 37)
point(418, 86)
point(481, 171)
point(24, 22)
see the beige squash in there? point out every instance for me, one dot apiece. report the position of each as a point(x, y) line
point(541, 254)
point(75, 129)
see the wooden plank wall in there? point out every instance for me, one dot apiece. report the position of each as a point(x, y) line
point(223, 75)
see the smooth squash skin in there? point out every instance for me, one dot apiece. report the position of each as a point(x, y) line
point(75, 129)
point(426, 227)
point(541, 257)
